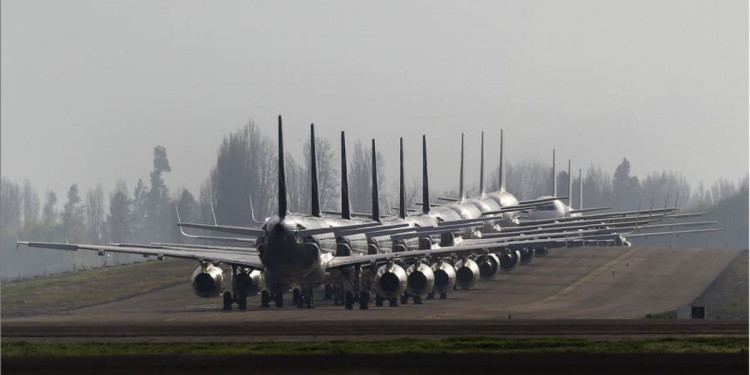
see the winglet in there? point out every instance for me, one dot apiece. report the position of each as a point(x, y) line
point(580, 189)
point(425, 185)
point(213, 213)
point(570, 186)
point(252, 210)
point(375, 193)
point(501, 181)
point(554, 175)
point(345, 210)
point(282, 175)
point(461, 178)
point(315, 201)
point(177, 210)
point(677, 201)
point(481, 168)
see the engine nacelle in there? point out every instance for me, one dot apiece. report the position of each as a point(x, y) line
point(419, 279)
point(509, 260)
point(489, 266)
point(390, 281)
point(467, 273)
point(208, 281)
point(252, 282)
point(527, 255)
point(445, 276)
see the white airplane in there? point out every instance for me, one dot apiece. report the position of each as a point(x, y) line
point(311, 250)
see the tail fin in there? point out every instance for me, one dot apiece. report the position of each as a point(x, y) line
point(554, 175)
point(570, 186)
point(375, 195)
point(282, 175)
point(461, 195)
point(500, 180)
point(315, 202)
point(402, 188)
point(425, 186)
point(345, 210)
point(481, 168)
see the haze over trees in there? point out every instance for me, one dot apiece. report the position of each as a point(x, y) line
point(245, 170)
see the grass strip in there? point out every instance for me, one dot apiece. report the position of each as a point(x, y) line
point(58, 293)
point(472, 345)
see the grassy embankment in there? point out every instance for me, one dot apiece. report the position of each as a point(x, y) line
point(470, 345)
point(58, 293)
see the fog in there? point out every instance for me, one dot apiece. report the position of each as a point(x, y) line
point(90, 87)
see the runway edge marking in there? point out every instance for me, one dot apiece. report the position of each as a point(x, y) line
point(591, 275)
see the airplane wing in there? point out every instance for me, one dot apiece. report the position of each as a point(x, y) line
point(215, 256)
point(245, 231)
point(660, 212)
point(477, 247)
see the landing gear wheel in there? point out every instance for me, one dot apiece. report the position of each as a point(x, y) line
point(327, 292)
point(417, 300)
point(279, 299)
point(349, 301)
point(378, 300)
point(227, 301)
point(242, 300)
point(296, 298)
point(393, 302)
point(404, 298)
point(265, 298)
point(309, 299)
point(364, 299)
point(443, 295)
point(430, 295)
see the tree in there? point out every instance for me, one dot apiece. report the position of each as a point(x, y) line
point(157, 214)
point(30, 204)
point(625, 188)
point(49, 212)
point(328, 173)
point(10, 206)
point(72, 217)
point(246, 166)
point(119, 218)
point(94, 210)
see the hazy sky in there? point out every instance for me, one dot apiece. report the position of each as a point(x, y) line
point(90, 87)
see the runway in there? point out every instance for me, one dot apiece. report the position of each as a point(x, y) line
point(577, 291)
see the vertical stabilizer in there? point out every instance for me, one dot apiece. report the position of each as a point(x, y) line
point(425, 186)
point(345, 210)
point(570, 186)
point(375, 194)
point(580, 189)
point(401, 187)
point(554, 175)
point(481, 168)
point(282, 175)
point(461, 195)
point(315, 198)
point(500, 179)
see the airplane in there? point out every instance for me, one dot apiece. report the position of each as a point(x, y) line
point(311, 250)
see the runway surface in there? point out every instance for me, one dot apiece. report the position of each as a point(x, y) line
point(572, 288)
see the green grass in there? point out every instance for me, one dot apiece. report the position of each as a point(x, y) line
point(395, 346)
point(58, 293)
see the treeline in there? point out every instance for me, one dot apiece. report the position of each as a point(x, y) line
point(246, 172)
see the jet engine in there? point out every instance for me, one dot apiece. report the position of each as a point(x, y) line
point(251, 281)
point(509, 260)
point(390, 281)
point(419, 279)
point(489, 266)
point(208, 281)
point(445, 276)
point(467, 273)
